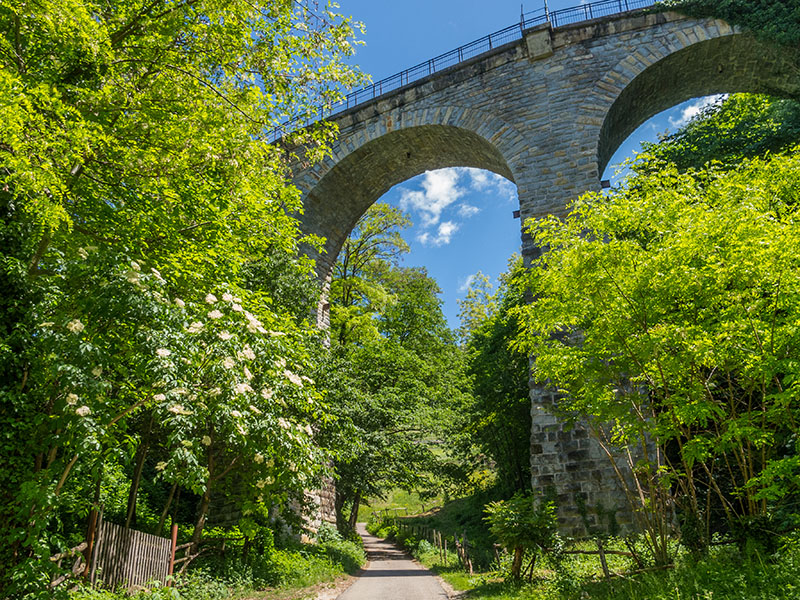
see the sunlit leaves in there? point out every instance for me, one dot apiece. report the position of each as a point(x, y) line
point(679, 295)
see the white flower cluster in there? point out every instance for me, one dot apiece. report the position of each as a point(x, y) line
point(293, 377)
point(242, 388)
point(253, 324)
point(247, 352)
point(75, 326)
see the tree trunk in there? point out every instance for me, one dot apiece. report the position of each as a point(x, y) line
point(164, 513)
point(339, 508)
point(141, 454)
point(516, 566)
point(202, 512)
point(202, 509)
point(354, 511)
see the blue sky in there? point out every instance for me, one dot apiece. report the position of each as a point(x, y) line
point(462, 217)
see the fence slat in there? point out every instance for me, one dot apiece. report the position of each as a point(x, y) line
point(128, 558)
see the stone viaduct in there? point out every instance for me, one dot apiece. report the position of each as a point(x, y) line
point(547, 112)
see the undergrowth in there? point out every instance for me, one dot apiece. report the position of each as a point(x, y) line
point(233, 575)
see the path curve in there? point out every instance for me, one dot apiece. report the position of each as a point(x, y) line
point(391, 575)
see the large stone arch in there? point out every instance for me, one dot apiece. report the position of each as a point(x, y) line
point(339, 190)
point(711, 58)
point(547, 112)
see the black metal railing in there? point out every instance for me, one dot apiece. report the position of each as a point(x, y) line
point(513, 33)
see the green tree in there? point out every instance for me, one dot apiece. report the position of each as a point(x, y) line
point(668, 309)
point(357, 294)
point(740, 127)
point(521, 526)
point(137, 179)
point(395, 373)
point(497, 420)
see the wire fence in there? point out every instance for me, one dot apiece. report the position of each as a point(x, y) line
point(513, 33)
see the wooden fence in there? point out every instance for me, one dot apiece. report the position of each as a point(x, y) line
point(129, 558)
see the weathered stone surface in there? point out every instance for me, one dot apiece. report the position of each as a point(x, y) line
point(547, 112)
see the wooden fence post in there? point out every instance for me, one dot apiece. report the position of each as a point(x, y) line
point(603, 558)
point(90, 542)
point(174, 539)
point(97, 546)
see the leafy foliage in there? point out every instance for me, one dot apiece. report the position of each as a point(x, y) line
point(740, 127)
point(496, 423)
point(138, 185)
point(774, 21)
point(522, 524)
point(395, 374)
point(668, 309)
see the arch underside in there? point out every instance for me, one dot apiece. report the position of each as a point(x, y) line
point(730, 64)
point(335, 204)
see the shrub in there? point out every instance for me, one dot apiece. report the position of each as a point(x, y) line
point(521, 524)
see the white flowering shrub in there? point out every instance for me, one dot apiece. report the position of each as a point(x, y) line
point(221, 379)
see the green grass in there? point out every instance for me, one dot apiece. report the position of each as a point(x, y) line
point(397, 501)
point(459, 517)
point(293, 574)
point(724, 574)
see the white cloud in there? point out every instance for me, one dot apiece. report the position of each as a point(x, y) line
point(694, 109)
point(488, 182)
point(462, 289)
point(480, 179)
point(438, 196)
point(442, 237)
point(439, 190)
point(467, 210)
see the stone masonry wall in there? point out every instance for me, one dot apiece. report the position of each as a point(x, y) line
point(547, 112)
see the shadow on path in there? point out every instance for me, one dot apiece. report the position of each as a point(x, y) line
point(391, 575)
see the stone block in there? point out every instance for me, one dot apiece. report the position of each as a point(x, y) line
point(540, 43)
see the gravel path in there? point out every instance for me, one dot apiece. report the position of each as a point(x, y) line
point(391, 575)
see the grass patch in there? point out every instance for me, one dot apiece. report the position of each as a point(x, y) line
point(282, 574)
point(727, 572)
point(399, 501)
